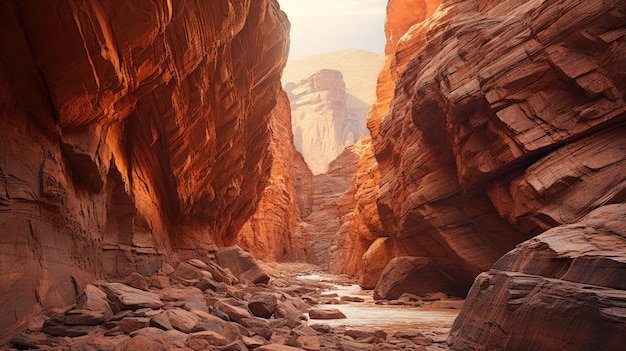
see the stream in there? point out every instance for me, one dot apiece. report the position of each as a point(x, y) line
point(390, 318)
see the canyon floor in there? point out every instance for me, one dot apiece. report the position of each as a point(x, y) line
point(201, 306)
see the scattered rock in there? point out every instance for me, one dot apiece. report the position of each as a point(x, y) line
point(84, 317)
point(278, 347)
point(416, 275)
point(333, 313)
point(242, 264)
point(234, 313)
point(130, 324)
point(140, 343)
point(128, 298)
point(137, 281)
point(202, 339)
point(182, 320)
point(351, 299)
point(263, 304)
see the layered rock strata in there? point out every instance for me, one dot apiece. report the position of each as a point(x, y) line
point(131, 134)
point(325, 119)
point(322, 226)
point(274, 231)
point(497, 121)
point(567, 283)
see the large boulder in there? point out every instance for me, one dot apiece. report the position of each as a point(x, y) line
point(562, 290)
point(242, 264)
point(415, 275)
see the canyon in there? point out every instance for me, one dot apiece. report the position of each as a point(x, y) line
point(140, 137)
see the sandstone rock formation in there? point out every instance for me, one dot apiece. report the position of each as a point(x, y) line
point(322, 122)
point(406, 274)
point(205, 314)
point(323, 225)
point(358, 67)
point(274, 232)
point(494, 122)
point(360, 223)
point(567, 283)
point(131, 133)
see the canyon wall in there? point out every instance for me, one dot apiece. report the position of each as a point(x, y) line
point(274, 232)
point(325, 119)
point(497, 121)
point(131, 133)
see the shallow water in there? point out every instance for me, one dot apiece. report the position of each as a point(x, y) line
point(386, 317)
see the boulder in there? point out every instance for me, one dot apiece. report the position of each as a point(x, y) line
point(84, 317)
point(416, 275)
point(242, 264)
point(140, 342)
point(375, 259)
point(287, 310)
point(94, 299)
point(331, 313)
point(128, 298)
point(263, 304)
point(130, 324)
point(563, 289)
point(360, 333)
point(161, 321)
point(278, 347)
point(202, 339)
point(182, 320)
point(235, 313)
point(137, 280)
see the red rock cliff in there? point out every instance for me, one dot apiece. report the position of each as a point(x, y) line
point(274, 233)
point(507, 119)
point(130, 131)
point(497, 121)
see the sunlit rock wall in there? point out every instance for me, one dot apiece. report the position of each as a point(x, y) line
point(325, 119)
point(274, 233)
point(131, 133)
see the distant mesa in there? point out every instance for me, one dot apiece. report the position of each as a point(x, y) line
point(330, 96)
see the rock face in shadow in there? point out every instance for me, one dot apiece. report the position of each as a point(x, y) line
point(360, 223)
point(131, 133)
point(325, 119)
point(322, 226)
point(567, 283)
point(496, 121)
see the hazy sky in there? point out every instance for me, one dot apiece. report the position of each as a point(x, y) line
point(320, 26)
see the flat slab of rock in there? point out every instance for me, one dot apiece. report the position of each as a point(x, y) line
point(242, 264)
point(278, 347)
point(331, 313)
point(129, 298)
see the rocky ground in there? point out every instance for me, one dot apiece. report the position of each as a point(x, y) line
point(202, 305)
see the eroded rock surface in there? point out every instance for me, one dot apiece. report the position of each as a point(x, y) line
point(323, 122)
point(496, 121)
point(224, 322)
point(568, 283)
point(274, 232)
point(132, 133)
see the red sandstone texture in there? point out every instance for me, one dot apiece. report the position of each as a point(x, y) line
point(274, 232)
point(131, 133)
point(497, 121)
point(325, 119)
point(507, 119)
point(568, 283)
